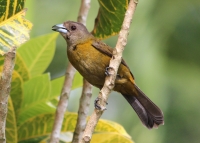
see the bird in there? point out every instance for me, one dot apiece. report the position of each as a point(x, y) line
point(90, 57)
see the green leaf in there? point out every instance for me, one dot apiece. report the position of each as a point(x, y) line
point(57, 84)
point(110, 138)
point(10, 7)
point(36, 96)
point(21, 68)
point(78, 81)
point(65, 137)
point(110, 18)
point(41, 127)
point(11, 124)
point(14, 32)
point(16, 92)
point(38, 52)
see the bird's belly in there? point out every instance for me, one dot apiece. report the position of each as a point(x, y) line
point(90, 64)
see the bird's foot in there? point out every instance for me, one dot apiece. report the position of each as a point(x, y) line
point(107, 72)
point(98, 106)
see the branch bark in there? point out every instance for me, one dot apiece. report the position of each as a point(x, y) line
point(62, 104)
point(83, 111)
point(5, 86)
point(84, 102)
point(110, 80)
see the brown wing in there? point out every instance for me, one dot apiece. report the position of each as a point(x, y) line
point(107, 51)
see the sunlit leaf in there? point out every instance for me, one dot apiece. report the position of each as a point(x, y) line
point(110, 138)
point(65, 137)
point(9, 8)
point(110, 126)
point(110, 17)
point(11, 124)
point(41, 127)
point(38, 52)
point(36, 95)
point(14, 32)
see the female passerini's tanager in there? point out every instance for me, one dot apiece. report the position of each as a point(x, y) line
point(91, 57)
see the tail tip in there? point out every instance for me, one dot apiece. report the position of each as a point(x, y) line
point(155, 124)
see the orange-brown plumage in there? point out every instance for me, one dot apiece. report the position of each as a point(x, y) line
point(91, 57)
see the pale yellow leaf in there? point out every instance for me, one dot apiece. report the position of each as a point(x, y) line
point(14, 32)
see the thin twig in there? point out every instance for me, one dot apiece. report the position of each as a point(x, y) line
point(110, 80)
point(62, 104)
point(87, 87)
point(5, 86)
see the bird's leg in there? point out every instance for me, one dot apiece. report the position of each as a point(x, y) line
point(97, 105)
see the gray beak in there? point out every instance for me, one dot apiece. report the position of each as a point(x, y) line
point(60, 28)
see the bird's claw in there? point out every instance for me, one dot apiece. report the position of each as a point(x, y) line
point(107, 71)
point(98, 106)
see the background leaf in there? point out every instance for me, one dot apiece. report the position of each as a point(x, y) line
point(110, 126)
point(58, 83)
point(41, 127)
point(11, 124)
point(110, 138)
point(38, 52)
point(36, 94)
point(14, 32)
point(10, 7)
point(110, 17)
point(21, 68)
point(16, 92)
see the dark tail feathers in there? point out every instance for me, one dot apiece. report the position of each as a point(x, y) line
point(150, 115)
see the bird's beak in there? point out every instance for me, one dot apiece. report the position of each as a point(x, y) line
point(60, 28)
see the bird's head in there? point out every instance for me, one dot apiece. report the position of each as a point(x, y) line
point(73, 32)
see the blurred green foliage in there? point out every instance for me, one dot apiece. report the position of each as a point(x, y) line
point(163, 52)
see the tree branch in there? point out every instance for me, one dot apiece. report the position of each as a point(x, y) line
point(110, 80)
point(5, 86)
point(83, 11)
point(83, 111)
point(62, 104)
point(84, 102)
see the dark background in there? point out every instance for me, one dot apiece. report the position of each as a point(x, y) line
point(163, 52)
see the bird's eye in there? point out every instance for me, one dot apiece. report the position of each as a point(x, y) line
point(73, 27)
